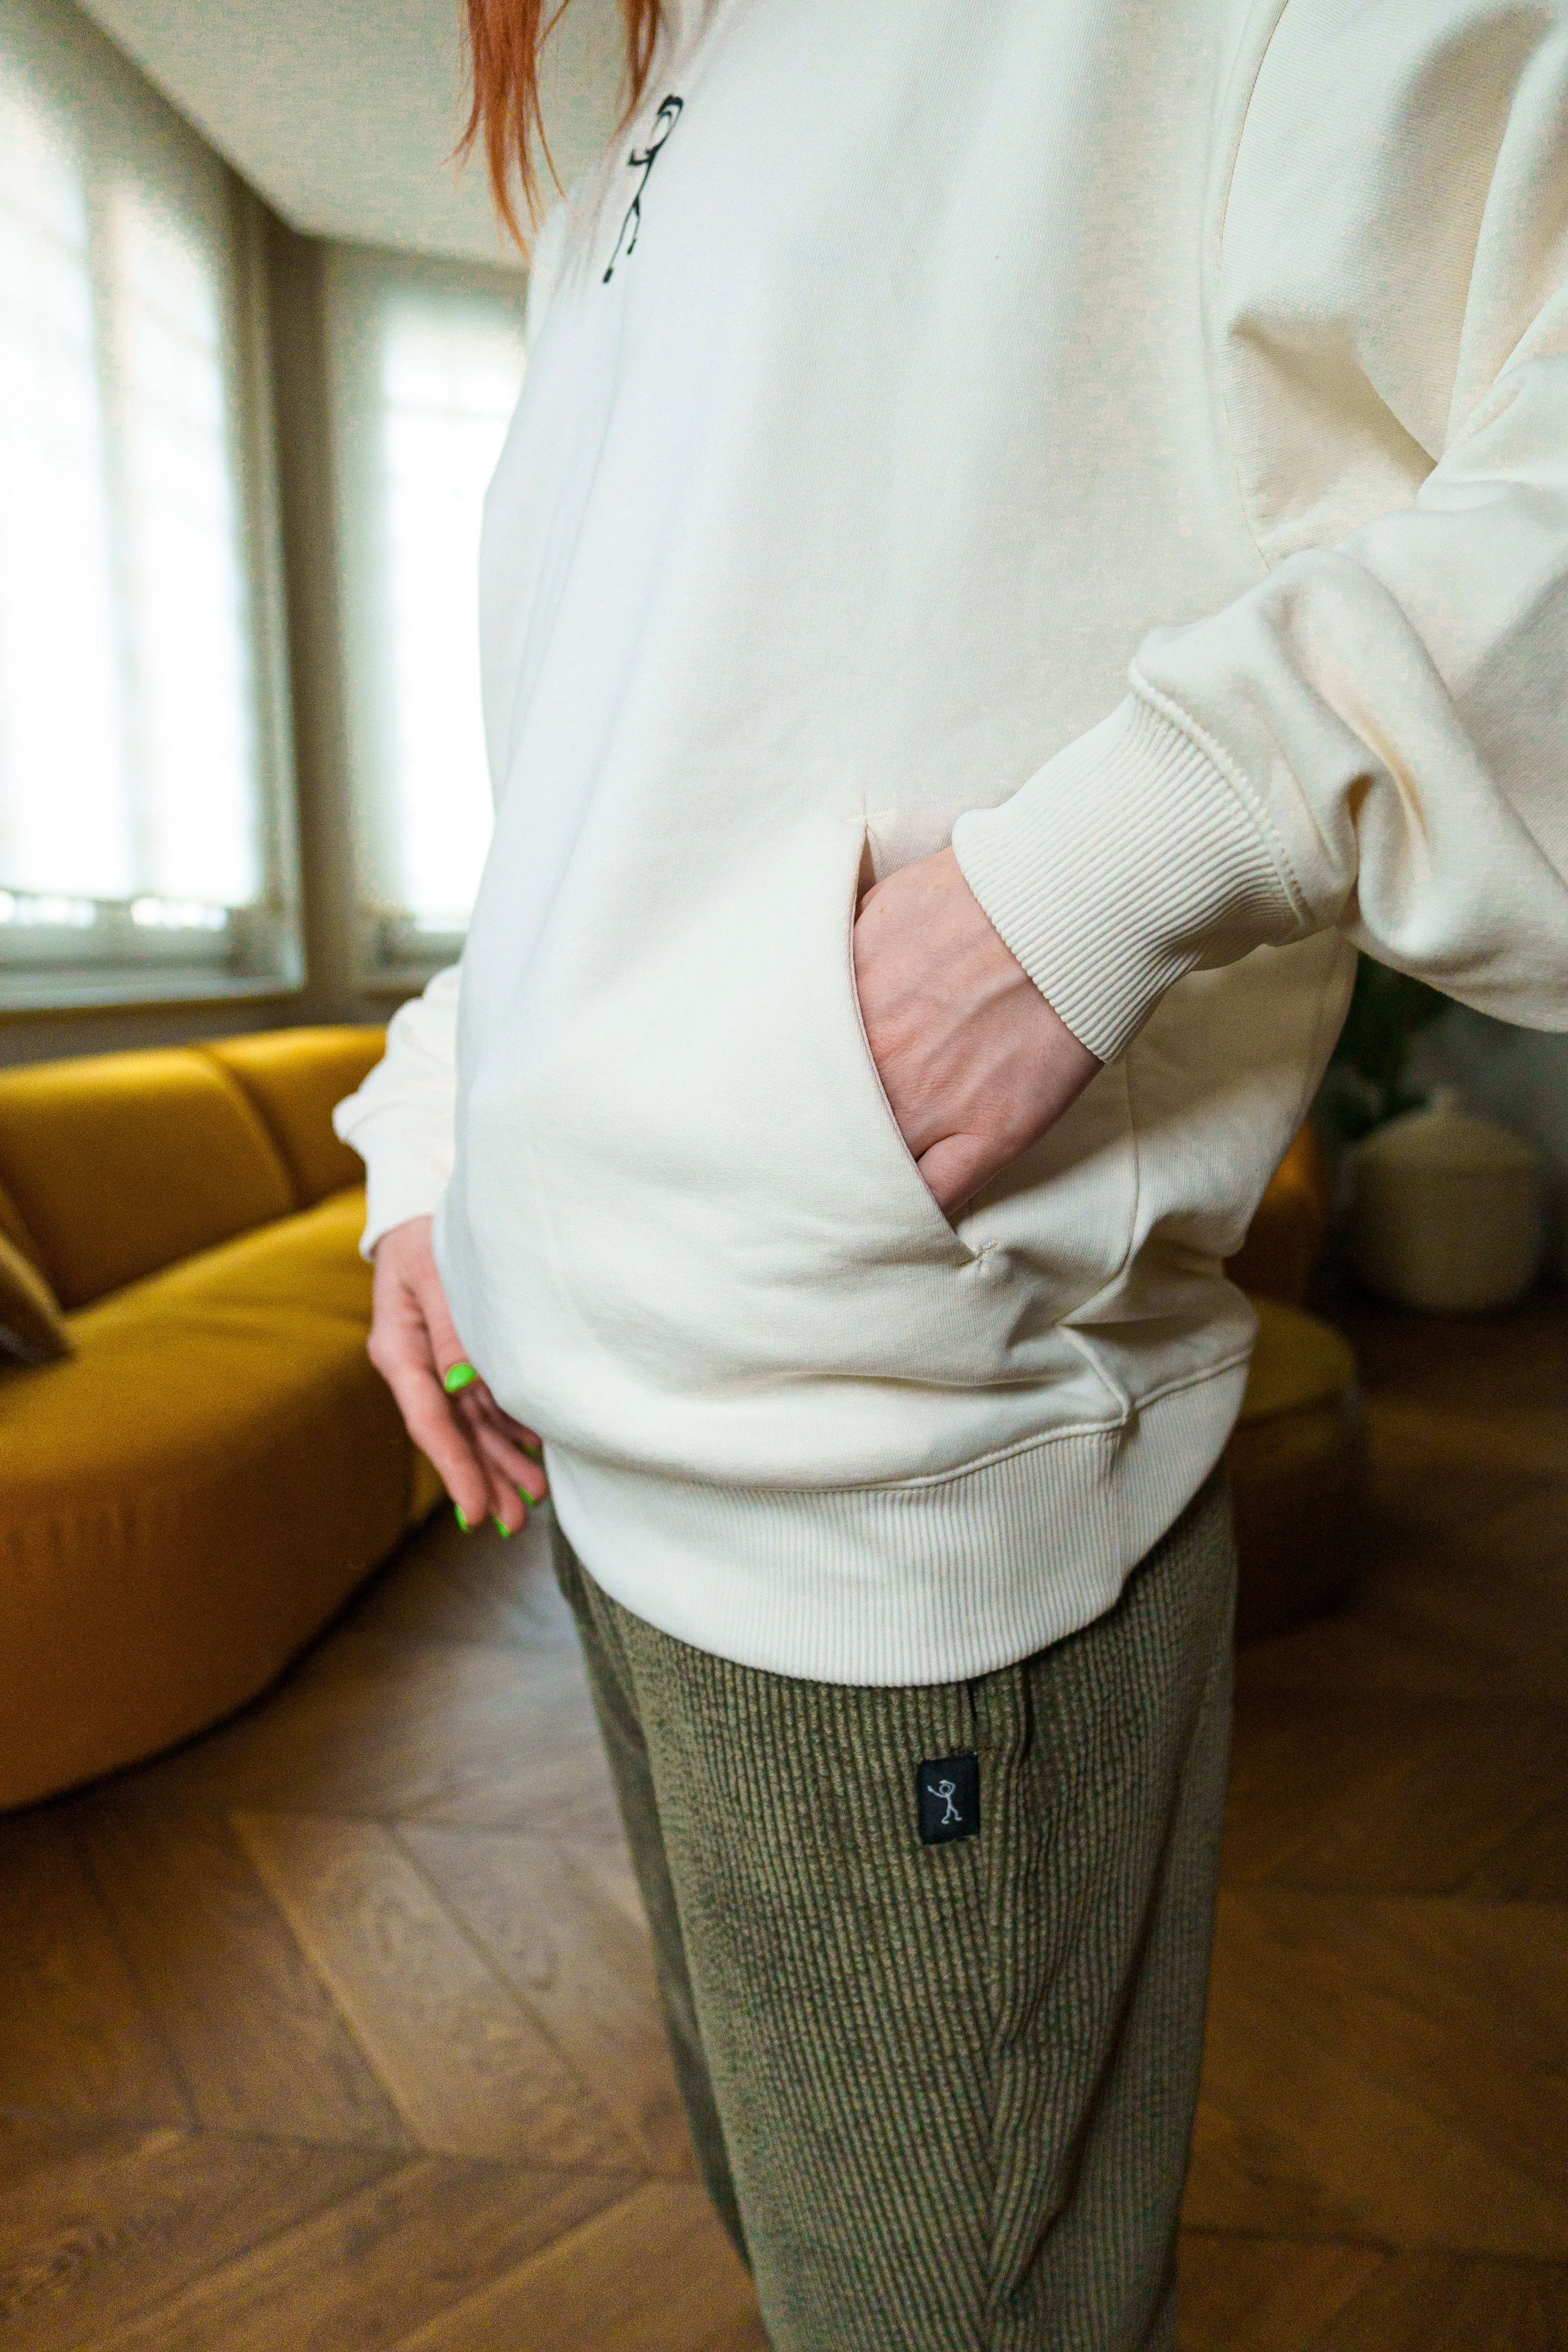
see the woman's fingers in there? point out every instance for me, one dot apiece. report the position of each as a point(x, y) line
point(519, 1475)
point(445, 1347)
point(436, 1431)
point(508, 1446)
point(404, 1349)
point(477, 1392)
point(414, 1259)
point(518, 1430)
point(489, 1464)
point(517, 1481)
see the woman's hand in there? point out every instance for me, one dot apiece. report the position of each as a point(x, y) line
point(972, 1060)
point(489, 1464)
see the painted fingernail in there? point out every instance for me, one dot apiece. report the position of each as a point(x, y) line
point(525, 1498)
point(501, 1528)
point(462, 1519)
point(458, 1377)
point(534, 1452)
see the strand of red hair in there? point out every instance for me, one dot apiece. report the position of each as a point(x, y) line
point(505, 39)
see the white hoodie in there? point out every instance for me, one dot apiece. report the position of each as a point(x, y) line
point(889, 396)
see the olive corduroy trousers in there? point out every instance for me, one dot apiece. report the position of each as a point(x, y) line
point(942, 2093)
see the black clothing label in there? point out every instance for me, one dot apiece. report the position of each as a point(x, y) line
point(948, 1789)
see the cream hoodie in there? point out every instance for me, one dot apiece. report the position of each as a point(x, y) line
point(890, 394)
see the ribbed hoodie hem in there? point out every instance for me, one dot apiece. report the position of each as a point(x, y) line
point(935, 1579)
point(1125, 861)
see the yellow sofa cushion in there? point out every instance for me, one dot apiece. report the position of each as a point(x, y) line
point(15, 1229)
point(30, 1327)
point(294, 1077)
point(119, 1163)
point(1299, 1361)
point(191, 1495)
point(308, 1264)
point(186, 1500)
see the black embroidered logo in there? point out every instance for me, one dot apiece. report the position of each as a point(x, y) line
point(949, 1788)
point(664, 122)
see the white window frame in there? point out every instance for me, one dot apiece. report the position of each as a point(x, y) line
point(57, 951)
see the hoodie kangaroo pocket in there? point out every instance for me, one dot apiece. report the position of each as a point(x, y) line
point(730, 1206)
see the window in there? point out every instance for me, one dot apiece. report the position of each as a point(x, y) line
point(428, 358)
point(143, 851)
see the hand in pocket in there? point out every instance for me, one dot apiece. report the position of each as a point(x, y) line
point(972, 1060)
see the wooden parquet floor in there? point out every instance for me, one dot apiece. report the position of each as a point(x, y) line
point(337, 2032)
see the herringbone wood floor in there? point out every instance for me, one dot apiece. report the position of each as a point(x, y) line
point(337, 2030)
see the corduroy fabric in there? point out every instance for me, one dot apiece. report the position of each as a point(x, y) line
point(943, 2094)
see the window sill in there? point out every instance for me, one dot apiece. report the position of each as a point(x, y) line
point(23, 996)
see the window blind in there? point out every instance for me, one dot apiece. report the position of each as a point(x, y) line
point(427, 359)
point(142, 844)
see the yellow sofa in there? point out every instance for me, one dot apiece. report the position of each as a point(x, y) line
point(190, 1495)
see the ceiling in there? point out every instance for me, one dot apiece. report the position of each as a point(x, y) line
point(341, 114)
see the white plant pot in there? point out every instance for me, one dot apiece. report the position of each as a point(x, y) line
point(1446, 1210)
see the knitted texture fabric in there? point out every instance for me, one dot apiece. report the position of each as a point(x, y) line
point(942, 2094)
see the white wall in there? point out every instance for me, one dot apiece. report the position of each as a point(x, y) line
point(343, 116)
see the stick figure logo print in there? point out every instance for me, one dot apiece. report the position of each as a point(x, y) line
point(643, 160)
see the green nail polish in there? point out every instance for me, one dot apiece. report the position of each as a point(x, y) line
point(461, 1520)
point(534, 1452)
point(501, 1528)
point(525, 1498)
point(459, 1377)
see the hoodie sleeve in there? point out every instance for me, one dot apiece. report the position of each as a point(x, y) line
point(1375, 737)
point(401, 1121)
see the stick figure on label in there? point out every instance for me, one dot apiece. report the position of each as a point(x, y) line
point(946, 1790)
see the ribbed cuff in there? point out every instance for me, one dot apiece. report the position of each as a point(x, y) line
point(405, 1176)
point(393, 1197)
point(1128, 859)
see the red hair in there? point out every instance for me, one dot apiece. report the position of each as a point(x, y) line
point(505, 38)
